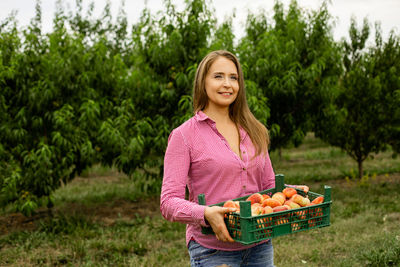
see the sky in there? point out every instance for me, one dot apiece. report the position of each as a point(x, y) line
point(384, 11)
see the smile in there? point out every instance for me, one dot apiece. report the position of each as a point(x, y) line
point(225, 93)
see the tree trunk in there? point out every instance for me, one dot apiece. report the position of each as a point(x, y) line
point(360, 168)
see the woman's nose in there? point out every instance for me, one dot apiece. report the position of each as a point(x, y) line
point(227, 82)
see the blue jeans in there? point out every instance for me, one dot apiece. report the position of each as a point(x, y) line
point(259, 256)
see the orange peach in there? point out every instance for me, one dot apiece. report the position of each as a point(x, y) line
point(306, 201)
point(281, 208)
point(302, 201)
point(255, 198)
point(281, 220)
point(301, 214)
point(256, 209)
point(264, 222)
point(296, 198)
point(280, 197)
point(267, 210)
point(271, 202)
point(318, 200)
point(295, 227)
point(292, 204)
point(265, 196)
point(303, 187)
point(289, 192)
point(230, 204)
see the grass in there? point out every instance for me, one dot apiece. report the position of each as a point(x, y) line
point(314, 160)
point(102, 219)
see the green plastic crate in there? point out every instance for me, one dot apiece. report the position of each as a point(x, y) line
point(248, 229)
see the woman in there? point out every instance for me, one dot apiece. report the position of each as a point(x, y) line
point(222, 151)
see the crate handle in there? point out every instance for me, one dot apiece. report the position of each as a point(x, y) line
point(327, 193)
point(279, 182)
point(202, 199)
point(245, 208)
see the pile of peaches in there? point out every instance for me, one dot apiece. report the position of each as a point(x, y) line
point(280, 201)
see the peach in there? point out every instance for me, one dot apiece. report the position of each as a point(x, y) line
point(230, 204)
point(306, 201)
point(292, 204)
point(302, 201)
point(296, 198)
point(315, 222)
point(301, 214)
point(267, 210)
point(280, 197)
point(264, 222)
point(303, 187)
point(255, 198)
point(316, 212)
point(318, 200)
point(271, 202)
point(281, 220)
point(256, 209)
point(289, 192)
point(281, 208)
point(265, 196)
point(295, 227)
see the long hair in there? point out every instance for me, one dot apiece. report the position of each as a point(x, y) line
point(239, 111)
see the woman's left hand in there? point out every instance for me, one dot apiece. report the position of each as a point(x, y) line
point(215, 217)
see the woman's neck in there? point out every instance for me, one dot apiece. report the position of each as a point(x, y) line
point(218, 115)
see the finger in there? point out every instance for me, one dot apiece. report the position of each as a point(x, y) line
point(229, 238)
point(225, 236)
point(226, 210)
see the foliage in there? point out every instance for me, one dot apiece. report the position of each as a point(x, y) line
point(88, 93)
point(364, 118)
point(93, 91)
point(59, 92)
point(294, 61)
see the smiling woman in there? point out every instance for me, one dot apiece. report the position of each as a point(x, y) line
point(220, 152)
point(222, 84)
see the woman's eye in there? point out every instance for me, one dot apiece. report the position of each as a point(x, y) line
point(218, 76)
point(234, 78)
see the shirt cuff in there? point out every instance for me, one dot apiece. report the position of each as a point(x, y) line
point(198, 214)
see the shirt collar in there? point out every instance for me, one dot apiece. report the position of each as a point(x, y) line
point(201, 116)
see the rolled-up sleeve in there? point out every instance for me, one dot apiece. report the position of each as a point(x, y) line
point(173, 205)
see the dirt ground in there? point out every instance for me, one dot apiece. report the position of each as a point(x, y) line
point(123, 209)
point(106, 214)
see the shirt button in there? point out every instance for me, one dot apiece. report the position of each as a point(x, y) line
point(244, 169)
point(244, 152)
point(244, 187)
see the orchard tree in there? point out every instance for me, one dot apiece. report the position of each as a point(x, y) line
point(364, 117)
point(59, 92)
point(165, 53)
point(296, 64)
point(387, 67)
point(88, 93)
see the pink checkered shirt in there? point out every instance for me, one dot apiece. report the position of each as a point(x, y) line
point(199, 156)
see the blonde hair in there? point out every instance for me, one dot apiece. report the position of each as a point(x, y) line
point(239, 111)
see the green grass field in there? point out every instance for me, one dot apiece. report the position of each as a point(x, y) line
point(102, 220)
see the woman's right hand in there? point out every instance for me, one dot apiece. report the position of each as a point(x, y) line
point(215, 217)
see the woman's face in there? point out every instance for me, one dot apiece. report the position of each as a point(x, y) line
point(222, 83)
